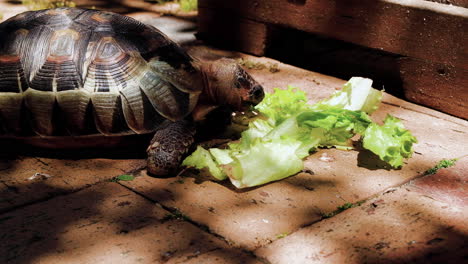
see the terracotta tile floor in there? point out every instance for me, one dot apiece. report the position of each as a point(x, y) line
point(73, 214)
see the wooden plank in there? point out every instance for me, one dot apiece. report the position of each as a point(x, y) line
point(420, 29)
point(227, 30)
point(437, 85)
point(440, 86)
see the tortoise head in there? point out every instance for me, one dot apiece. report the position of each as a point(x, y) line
point(226, 83)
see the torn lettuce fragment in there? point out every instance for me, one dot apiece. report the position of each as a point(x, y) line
point(282, 104)
point(391, 141)
point(357, 94)
point(264, 162)
point(200, 159)
point(334, 127)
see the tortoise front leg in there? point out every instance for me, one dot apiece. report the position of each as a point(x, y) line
point(169, 145)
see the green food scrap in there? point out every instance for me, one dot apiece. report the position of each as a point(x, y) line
point(282, 235)
point(185, 5)
point(46, 4)
point(342, 208)
point(256, 65)
point(274, 67)
point(252, 65)
point(442, 164)
point(345, 206)
point(176, 215)
point(123, 177)
point(357, 95)
point(188, 5)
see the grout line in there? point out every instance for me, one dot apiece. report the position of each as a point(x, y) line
point(41, 200)
point(50, 197)
point(390, 189)
point(175, 211)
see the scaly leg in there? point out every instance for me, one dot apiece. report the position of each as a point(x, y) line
point(169, 145)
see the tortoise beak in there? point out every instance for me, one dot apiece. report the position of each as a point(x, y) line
point(256, 95)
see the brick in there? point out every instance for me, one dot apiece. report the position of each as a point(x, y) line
point(447, 185)
point(59, 176)
point(403, 226)
point(106, 223)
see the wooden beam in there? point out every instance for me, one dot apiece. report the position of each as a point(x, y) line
point(227, 30)
point(420, 29)
point(440, 86)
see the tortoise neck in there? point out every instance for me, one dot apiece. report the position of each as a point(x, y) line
point(209, 95)
point(216, 88)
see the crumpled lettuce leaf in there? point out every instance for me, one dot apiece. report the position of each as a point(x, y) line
point(200, 159)
point(357, 95)
point(273, 146)
point(335, 127)
point(282, 104)
point(391, 141)
point(263, 162)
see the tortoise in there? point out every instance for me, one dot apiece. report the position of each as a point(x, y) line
point(69, 73)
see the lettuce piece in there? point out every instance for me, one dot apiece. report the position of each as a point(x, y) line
point(221, 156)
point(265, 162)
point(335, 127)
point(357, 94)
point(391, 141)
point(282, 104)
point(258, 128)
point(200, 159)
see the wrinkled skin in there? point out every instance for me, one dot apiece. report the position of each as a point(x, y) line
point(225, 84)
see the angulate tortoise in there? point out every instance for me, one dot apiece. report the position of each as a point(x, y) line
point(71, 73)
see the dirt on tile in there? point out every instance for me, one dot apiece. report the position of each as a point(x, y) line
point(25, 180)
point(405, 225)
point(106, 223)
point(449, 185)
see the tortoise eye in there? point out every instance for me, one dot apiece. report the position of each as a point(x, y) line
point(241, 81)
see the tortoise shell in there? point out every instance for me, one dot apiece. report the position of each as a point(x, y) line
point(71, 71)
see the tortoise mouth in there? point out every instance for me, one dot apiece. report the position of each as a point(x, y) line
point(256, 94)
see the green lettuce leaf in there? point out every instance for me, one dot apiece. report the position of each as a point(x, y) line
point(335, 127)
point(357, 94)
point(282, 104)
point(200, 159)
point(264, 162)
point(391, 141)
